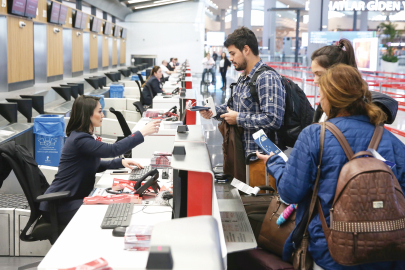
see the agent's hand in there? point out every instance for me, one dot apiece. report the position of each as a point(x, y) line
point(264, 157)
point(150, 128)
point(129, 163)
point(230, 116)
point(206, 114)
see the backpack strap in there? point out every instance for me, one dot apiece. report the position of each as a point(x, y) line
point(341, 139)
point(252, 82)
point(314, 198)
point(375, 140)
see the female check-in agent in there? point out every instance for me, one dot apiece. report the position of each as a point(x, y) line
point(81, 156)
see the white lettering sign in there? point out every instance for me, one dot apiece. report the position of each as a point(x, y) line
point(361, 5)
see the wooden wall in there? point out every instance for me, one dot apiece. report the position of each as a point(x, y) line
point(105, 52)
point(20, 44)
point(123, 51)
point(114, 52)
point(54, 50)
point(77, 51)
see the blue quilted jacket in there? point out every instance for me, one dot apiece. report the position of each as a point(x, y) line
point(295, 179)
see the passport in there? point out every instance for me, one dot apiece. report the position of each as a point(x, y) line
point(267, 145)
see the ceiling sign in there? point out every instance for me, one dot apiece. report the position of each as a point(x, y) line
point(362, 5)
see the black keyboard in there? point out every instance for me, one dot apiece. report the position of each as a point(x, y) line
point(117, 215)
point(137, 173)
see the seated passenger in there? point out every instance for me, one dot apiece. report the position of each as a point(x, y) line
point(152, 84)
point(166, 72)
point(345, 98)
point(81, 156)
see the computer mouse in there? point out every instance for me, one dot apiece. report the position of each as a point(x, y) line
point(119, 231)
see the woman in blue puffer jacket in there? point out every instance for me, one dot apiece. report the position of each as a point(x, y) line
point(345, 99)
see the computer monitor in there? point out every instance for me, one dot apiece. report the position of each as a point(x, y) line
point(63, 14)
point(116, 30)
point(53, 12)
point(31, 8)
point(77, 19)
point(107, 28)
point(84, 21)
point(124, 33)
point(93, 24)
point(17, 7)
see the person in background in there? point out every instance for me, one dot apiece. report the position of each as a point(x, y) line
point(166, 72)
point(224, 64)
point(152, 84)
point(345, 99)
point(208, 64)
point(173, 64)
point(82, 155)
point(170, 65)
point(215, 56)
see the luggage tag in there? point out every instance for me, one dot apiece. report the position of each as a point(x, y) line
point(379, 157)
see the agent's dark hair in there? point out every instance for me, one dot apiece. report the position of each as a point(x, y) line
point(82, 110)
point(241, 37)
point(343, 53)
point(152, 73)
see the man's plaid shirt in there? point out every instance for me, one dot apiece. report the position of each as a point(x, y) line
point(269, 116)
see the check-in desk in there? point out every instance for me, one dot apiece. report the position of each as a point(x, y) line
point(166, 102)
point(161, 141)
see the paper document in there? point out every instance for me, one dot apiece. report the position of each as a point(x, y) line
point(267, 145)
point(244, 188)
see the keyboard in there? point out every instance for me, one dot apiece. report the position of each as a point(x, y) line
point(117, 215)
point(137, 173)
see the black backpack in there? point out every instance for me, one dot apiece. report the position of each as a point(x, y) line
point(298, 111)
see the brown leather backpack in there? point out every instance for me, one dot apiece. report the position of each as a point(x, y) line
point(367, 218)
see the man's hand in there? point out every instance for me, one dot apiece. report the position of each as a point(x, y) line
point(230, 116)
point(206, 114)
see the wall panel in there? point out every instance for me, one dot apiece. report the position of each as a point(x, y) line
point(123, 51)
point(93, 51)
point(69, 19)
point(42, 10)
point(54, 43)
point(77, 51)
point(114, 52)
point(105, 52)
point(3, 10)
point(20, 43)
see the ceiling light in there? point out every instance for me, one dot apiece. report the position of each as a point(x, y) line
point(137, 1)
point(160, 4)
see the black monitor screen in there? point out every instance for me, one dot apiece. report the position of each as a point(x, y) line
point(107, 28)
point(115, 30)
point(54, 17)
point(94, 25)
point(17, 7)
point(124, 33)
point(77, 23)
point(63, 14)
point(84, 21)
point(31, 8)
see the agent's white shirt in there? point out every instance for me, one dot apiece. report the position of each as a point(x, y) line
point(164, 71)
point(208, 63)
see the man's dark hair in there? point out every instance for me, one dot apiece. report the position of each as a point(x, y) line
point(241, 37)
point(82, 110)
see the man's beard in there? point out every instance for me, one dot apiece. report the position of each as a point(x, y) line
point(242, 66)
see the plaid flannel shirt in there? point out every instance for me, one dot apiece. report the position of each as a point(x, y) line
point(269, 116)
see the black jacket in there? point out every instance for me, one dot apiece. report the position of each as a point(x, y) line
point(226, 65)
point(154, 86)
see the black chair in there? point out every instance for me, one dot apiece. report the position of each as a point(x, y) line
point(123, 123)
point(139, 107)
point(34, 184)
point(141, 99)
point(141, 78)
